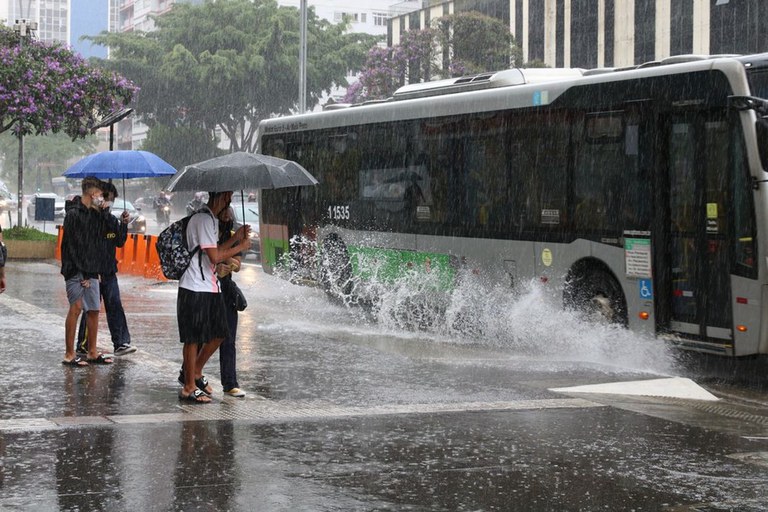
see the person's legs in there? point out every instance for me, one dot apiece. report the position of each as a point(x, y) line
point(81, 347)
point(75, 298)
point(92, 324)
point(227, 353)
point(113, 305)
point(204, 354)
point(70, 325)
point(189, 318)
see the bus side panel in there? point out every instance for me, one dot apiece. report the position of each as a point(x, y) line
point(747, 296)
point(274, 244)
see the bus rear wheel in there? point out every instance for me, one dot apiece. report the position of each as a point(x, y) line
point(597, 294)
point(335, 267)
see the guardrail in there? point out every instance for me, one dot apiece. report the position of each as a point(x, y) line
point(137, 257)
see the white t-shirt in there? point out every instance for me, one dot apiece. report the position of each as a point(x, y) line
point(202, 230)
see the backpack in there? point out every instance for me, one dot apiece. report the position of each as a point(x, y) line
point(172, 249)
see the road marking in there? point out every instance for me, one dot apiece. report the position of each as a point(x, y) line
point(269, 411)
point(675, 387)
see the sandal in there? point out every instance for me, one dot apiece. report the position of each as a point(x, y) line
point(201, 383)
point(77, 362)
point(195, 397)
point(101, 359)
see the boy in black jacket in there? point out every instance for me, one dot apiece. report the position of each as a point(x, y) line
point(80, 266)
point(115, 234)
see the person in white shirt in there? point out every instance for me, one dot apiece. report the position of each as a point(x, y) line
point(200, 308)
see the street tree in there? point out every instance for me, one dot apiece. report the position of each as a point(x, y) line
point(454, 45)
point(47, 88)
point(228, 64)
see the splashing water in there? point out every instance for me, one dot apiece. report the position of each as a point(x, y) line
point(526, 322)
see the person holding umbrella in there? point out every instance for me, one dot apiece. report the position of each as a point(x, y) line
point(114, 236)
point(200, 309)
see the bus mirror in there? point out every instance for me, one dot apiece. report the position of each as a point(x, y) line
point(761, 129)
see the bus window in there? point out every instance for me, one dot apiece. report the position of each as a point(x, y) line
point(607, 179)
point(538, 169)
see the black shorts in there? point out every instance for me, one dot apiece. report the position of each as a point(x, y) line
point(202, 316)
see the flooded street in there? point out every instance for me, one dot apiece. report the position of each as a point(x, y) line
point(347, 410)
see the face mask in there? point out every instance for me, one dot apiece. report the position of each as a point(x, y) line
point(97, 200)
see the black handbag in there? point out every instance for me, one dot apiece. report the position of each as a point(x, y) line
point(239, 301)
point(233, 295)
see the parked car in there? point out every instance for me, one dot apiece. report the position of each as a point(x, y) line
point(58, 205)
point(136, 223)
point(252, 219)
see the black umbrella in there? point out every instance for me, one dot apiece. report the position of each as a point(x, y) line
point(240, 170)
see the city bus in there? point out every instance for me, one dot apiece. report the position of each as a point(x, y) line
point(640, 193)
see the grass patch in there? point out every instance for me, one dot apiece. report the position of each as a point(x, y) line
point(27, 233)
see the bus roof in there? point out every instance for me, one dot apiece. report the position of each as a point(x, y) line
point(514, 88)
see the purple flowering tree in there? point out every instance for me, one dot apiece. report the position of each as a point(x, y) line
point(455, 45)
point(48, 88)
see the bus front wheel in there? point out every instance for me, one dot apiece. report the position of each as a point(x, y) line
point(597, 293)
point(335, 267)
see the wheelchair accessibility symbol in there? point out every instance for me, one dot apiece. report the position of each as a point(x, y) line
point(646, 289)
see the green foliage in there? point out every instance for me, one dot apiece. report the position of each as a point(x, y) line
point(456, 45)
point(228, 64)
point(181, 145)
point(27, 233)
point(478, 43)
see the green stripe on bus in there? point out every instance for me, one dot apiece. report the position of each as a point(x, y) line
point(389, 265)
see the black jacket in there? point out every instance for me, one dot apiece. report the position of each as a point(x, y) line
point(115, 235)
point(81, 245)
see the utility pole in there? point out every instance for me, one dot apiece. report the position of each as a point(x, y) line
point(23, 28)
point(303, 56)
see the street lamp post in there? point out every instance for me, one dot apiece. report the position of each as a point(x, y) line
point(303, 57)
point(24, 28)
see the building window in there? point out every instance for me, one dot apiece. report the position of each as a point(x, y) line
point(339, 16)
point(380, 19)
point(363, 17)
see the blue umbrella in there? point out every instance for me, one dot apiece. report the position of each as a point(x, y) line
point(123, 164)
point(120, 164)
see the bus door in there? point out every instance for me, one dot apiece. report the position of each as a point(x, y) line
point(696, 260)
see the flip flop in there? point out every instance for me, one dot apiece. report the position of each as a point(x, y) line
point(195, 397)
point(76, 362)
point(101, 359)
point(201, 383)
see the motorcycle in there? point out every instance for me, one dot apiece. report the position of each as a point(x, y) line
point(163, 212)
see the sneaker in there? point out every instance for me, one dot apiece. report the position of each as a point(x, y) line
point(236, 392)
point(123, 350)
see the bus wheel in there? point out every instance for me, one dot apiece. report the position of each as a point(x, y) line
point(335, 267)
point(596, 293)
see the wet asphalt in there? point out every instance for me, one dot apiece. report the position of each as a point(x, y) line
point(343, 413)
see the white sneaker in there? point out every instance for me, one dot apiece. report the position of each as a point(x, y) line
point(124, 350)
point(236, 392)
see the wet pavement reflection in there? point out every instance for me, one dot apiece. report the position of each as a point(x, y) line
point(343, 413)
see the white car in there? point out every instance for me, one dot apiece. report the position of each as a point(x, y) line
point(252, 219)
point(136, 221)
point(58, 205)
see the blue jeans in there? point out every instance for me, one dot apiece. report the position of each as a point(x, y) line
point(227, 353)
point(113, 305)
